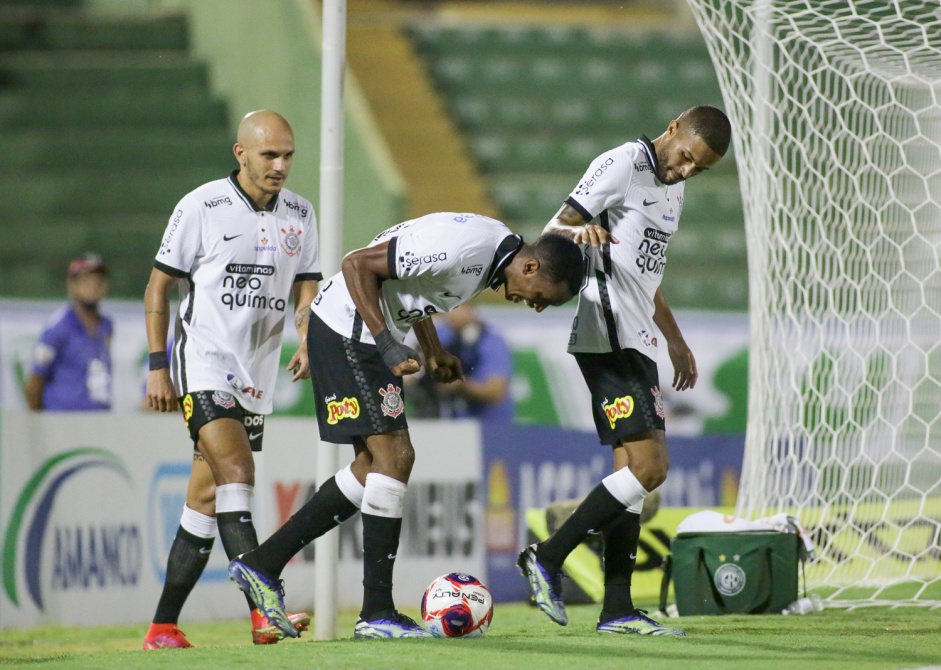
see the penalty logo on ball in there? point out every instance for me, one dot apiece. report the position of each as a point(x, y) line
point(457, 605)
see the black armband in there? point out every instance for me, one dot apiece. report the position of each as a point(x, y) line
point(159, 360)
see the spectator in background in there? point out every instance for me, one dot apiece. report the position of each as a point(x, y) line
point(72, 360)
point(484, 393)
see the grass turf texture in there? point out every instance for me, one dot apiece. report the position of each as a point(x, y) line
point(520, 637)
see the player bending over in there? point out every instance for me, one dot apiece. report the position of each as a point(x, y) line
point(408, 273)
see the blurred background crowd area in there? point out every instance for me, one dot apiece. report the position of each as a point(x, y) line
point(112, 110)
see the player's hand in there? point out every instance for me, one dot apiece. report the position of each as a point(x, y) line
point(684, 365)
point(161, 395)
point(593, 235)
point(299, 364)
point(445, 367)
point(401, 358)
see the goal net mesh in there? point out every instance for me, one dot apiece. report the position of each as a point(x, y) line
point(836, 115)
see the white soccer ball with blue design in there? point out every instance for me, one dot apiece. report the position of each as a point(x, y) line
point(457, 605)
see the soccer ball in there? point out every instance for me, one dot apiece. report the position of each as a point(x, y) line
point(457, 605)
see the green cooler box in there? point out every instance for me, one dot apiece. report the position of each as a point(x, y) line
point(735, 573)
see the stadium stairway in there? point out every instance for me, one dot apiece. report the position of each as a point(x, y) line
point(421, 135)
point(104, 125)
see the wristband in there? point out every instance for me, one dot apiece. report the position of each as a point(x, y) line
point(159, 360)
point(393, 353)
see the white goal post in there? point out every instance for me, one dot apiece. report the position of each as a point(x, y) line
point(836, 114)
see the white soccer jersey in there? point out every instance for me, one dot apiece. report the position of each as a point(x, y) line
point(238, 264)
point(436, 262)
point(621, 192)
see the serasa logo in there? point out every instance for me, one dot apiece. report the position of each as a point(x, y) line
point(411, 261)
point(584, 188)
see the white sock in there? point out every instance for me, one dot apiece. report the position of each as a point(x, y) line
point(624, 486)
point(384, 496)
point(234, 498)
point(350, 486)
point(198, 524)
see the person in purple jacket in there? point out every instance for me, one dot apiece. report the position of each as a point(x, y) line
point(72, 359)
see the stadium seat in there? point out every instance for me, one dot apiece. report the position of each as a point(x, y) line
point(538, 103)
point(100, 171)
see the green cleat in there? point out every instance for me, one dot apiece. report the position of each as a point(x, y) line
point(545, 585)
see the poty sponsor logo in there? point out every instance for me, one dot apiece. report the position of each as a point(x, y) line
point(620, 408)
point(187, 408)
point(348, 408)
point(296, 207)
point(97, 553)
point(249, 269)
point(215, 202)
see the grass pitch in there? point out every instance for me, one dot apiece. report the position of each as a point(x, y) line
point(520, 637)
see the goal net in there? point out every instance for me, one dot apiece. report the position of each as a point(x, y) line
point(836, 114)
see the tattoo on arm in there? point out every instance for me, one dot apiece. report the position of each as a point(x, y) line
point(301, 316)
point(155, 311)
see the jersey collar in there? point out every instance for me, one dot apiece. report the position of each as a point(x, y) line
point(508, 248)
point(651, 155)
point(272, 204)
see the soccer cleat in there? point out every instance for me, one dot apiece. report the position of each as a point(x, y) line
point(266, 593)
point(638, 623)
point(165, 636)
point(546, 585)
point(264, 633)
point(398, 625)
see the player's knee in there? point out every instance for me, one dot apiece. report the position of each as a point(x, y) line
point(651, 473)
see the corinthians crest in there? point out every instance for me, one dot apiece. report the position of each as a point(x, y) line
point(392, 403)
point(291, 242)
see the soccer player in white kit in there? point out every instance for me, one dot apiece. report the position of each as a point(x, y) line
point(626, 208)
point(408, 273)
point(239, 249)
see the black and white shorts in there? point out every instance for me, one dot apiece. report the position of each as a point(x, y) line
point(355, 392)
point(625, 393)
point(201, 407)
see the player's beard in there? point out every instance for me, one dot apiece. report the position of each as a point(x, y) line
point(663, 169)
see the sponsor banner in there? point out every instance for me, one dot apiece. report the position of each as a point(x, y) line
point(547, 385)
point(90, 504)
point(530, 467)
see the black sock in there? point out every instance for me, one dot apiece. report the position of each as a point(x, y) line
point(186, 562)
point(237, 531)
point(324, 511)
point(593, 514)
point(380, 545)
point(621, 537)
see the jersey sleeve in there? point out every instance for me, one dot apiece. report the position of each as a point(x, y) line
point(432, 250)
point(603, 185)
point(309, 267)
point(181, 240)
point(47, 349)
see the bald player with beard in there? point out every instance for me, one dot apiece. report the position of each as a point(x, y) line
point(239, 250)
